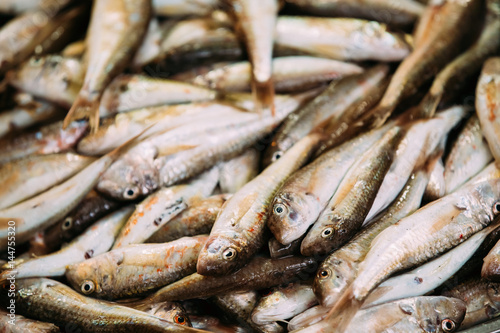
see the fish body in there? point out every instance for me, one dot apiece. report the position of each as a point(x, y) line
point(183, 8)
point(235, 173)
point(22, 324)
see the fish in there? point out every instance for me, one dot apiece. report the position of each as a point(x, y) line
point(171, 311)
point(159, 208)
point(149, 49)
point(96, 240)
point(490, 269)
point(487, 105)
point(19, 6)
point(344, 39)
point(347, 209)
point(183, 8)
point(283, 303)
point(22, 324)
point(136, 269)
point(436, 187)
point(257, 22)
point(399, 14)
point(29, 176)
point(338, 101)
point(278, 250)
point(307, 318)
point(468, 156)
point(239, 230)
point(46, 299)
point(196, 219)
point(290, 74)
point(115, 32)
point(235, 173)
point(340, 268)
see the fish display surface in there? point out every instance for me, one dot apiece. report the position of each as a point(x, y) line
point(241, 166)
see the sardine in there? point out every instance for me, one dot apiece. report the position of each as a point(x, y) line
point(235, 173)
point(22, 324)
point(239, 230)
point(115, 31)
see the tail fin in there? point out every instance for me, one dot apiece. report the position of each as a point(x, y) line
point(427, 107)
point(84, 108)
point(264, 95)
point(345, 309)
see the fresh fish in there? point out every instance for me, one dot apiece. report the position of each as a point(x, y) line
point(160, 207)
point(136, 269)
point(89, 210)
point(491, 265)
point(19, 6)
point(290, 74)
point(52, 77)
point(469, 155)
point(21, 324)
point(482, 299)
point(183, 8)
point(49, 139)
point(257, 21)
point(284, 303)
point(340, 268)
point(239, 230)
point(430, 275)
point(338, 101)
point(74, 50)
point(307, 318)
point(341, 38)
point(171, 311)
point(347, 209)
point(235, 173)
point(278, 250)
point(487, 105)
point(436, 187)
point(115, 32)
point(49, 300)
point(260, 273)
point(95, 240)
point(149, 49)
point(130, 92)
point(213, 324)
point(197, 219)
point(401, 13)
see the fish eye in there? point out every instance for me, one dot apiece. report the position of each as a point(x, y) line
point(327, 232)
point(279, 209)
point(67, 224)
point(35, 60)
point(88, 287)
point(496, 208)
point(448, 325)
point(181, 320)
point(324, 273)
point(229, 254)
point(276, 156)
point(130, 193)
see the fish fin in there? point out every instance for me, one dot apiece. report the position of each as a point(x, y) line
point(84, 108)
point(427, 107)
point(264, 95)
point(345, 309)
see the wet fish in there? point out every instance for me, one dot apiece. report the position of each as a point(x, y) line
point(469, 155)
point(347, 209)
point(341, 38)
point(95, 240)
point(307, 318)
point(238, 231)
point(150, 45)
point(487, 105)
point(135, 270)
point(340, 268)
point(290, 74)
point(491, 265)
point(19, 6)
point(278, 250)
point(171, 311)
point(53, 301)
point(436, 187)
point(159, 208)
point(197, 219)
point(182, 8)
point(115, 32)
point(235, 173)
point(22, 324)
point(29, 176)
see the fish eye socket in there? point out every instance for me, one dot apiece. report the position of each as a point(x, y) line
point(88, 287)
point(180, 320)
point(448, 325)
point(130, 193)
point(277, 155)
point(324, 273)
point(229, 254)
point(67, 224)
point(279, 209)
point(327, 232)
point(496, 208)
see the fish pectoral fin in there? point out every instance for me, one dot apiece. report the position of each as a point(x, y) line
point(82, 108)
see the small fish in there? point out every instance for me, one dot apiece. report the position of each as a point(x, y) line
point(19, 6)
point(235, 173)
point(136, 269)
point(115, 32)
point(22, 324)
point(278, 250)
point(149, 49)
point(307, 318)
point(491, 265)
point(183, 8)
point(171, 311)
point(436, 187)
point(488, 105)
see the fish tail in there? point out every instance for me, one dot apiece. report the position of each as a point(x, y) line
point(427, 107)
point(84, 108)
point(264, 95)
point(344, 310)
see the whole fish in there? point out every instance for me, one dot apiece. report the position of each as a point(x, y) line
point(487, 105)
point(29, 176)
point(235, 173)
point(49, 139)
point(239, 230)
point(95, 240)
point(278, 250)
point(341, 38)
point(183, 8)
point(46, 299)
point(196, 219)
point(115, 31)
point(136, 269)
point(468, 155)
point(401, 13)
point(340, 268)
point(22, 324)
point(284, 303)
point(294, 73)
point(160, 207)
point(257, 21)
point(347, 209)
point(171, 311)
point(335, 102)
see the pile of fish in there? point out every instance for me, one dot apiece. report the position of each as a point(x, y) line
point(249, 166)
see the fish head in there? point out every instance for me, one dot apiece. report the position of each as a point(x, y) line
point(268, 308)
point(436, 313)
point(327, 234)
point(494, 296)
point(222, 256)
point(291, 215)
point(171, 311)
point(333, 277)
